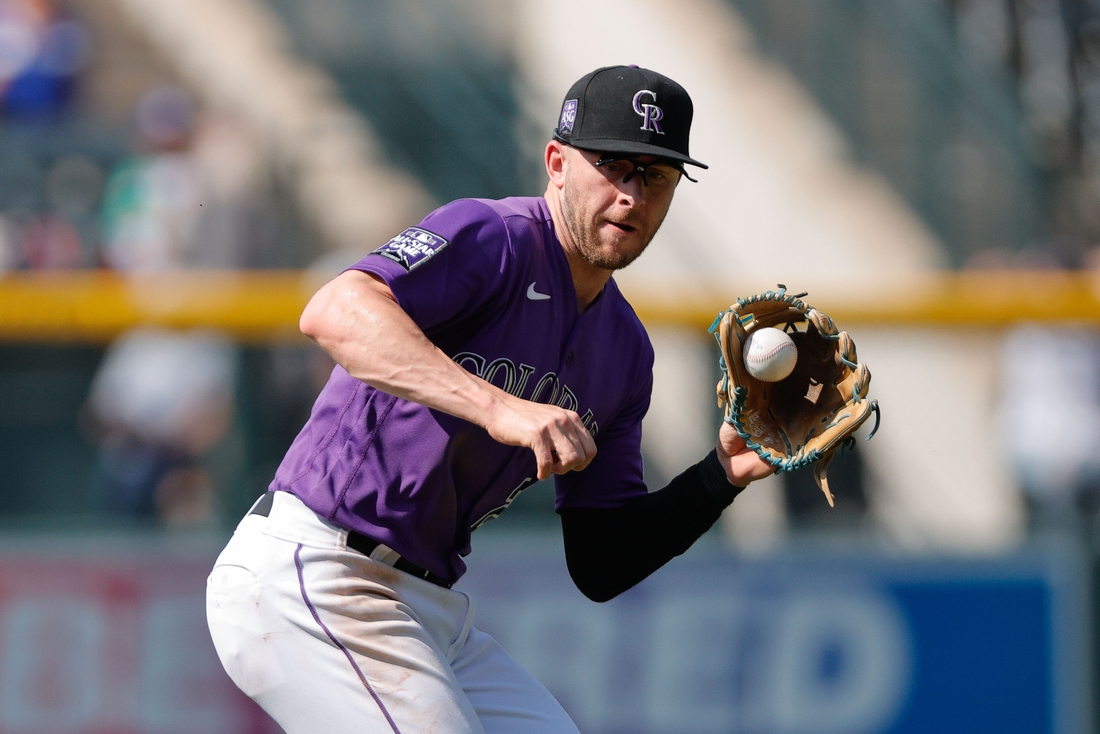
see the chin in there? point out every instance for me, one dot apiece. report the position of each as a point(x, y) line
point(615, 258)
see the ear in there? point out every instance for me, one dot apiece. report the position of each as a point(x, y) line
point(555, 163)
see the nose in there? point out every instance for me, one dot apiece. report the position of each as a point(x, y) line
point(632, 192)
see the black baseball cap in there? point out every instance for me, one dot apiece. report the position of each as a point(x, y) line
point(627, 110)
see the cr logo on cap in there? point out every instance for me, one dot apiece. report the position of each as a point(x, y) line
point(651, 113)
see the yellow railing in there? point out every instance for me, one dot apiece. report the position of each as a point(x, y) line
point(943, 299)
point(96, 306)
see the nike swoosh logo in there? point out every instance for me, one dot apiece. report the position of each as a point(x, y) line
point(535, 295)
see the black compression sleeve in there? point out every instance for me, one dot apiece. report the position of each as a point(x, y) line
point(610, 550)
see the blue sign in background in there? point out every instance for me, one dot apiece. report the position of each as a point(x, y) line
point(806, 642)
point(984, 658)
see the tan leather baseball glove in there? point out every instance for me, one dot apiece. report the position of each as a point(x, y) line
point(808, 415)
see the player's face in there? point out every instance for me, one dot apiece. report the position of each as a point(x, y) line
point(611, 215)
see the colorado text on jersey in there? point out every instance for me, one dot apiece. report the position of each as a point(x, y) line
point(549, 390)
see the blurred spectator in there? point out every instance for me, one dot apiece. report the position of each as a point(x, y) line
point(151, 202)
point(160, 401)
point(192, 194)
point(73, 187)
point(41, 53)
point(59, 229)
point(236, 227)
point(1050, 418)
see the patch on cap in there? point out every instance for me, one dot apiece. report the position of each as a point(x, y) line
point(568, 117)
point(412, 247)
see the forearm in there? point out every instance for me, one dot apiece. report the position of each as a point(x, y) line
point(610, 550)
point(357, 321)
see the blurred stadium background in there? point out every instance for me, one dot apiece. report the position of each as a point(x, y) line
point(178, 176)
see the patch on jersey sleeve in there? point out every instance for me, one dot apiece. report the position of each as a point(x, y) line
point(412, 247)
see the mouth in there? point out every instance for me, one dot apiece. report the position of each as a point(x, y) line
point(623, 227)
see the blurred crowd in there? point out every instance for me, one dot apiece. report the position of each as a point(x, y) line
point(42, 52)
point(191, 193)
point(1050, 375)
point(1049, 50)
point(186, 188)
point(177, 185)
point(182, 185)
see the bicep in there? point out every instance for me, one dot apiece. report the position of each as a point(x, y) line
point(358, 323)
point(336, 307)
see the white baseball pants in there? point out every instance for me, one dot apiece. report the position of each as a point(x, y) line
point(327, 640)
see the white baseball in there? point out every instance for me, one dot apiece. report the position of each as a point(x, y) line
point(770, 355)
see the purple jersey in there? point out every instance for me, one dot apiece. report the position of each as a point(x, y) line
point(489, 284)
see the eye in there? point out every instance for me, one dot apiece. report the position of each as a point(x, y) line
point(661, 174)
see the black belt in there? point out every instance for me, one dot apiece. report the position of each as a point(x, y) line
point(363, 544)
point(366, 546)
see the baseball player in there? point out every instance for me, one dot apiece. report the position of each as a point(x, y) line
point(478, 352)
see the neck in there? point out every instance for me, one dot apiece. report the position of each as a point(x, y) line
point(588, 279)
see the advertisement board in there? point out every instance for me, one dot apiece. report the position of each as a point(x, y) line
point(110, 638)
point(807, 642)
